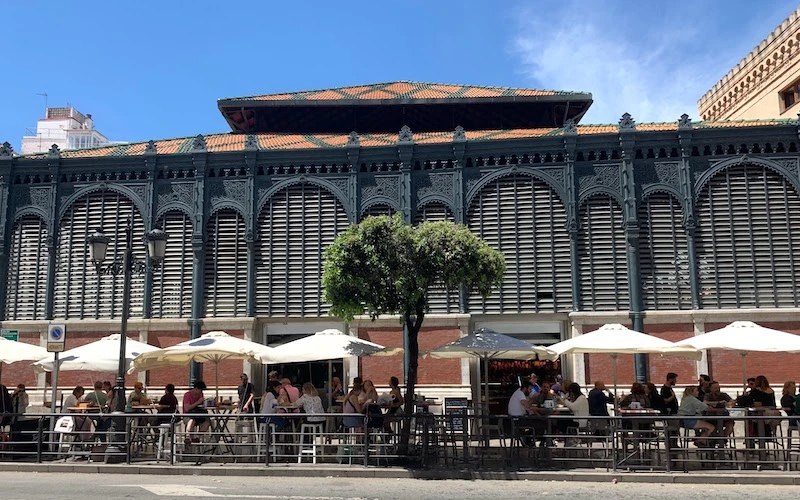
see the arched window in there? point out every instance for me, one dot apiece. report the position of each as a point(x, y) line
point(26, 280)
point(602, 261)
point(225, 281)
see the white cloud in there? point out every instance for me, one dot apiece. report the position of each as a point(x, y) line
point(653, 65)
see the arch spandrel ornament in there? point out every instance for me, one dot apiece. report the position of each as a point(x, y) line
point(379, 200)
point(136, 193)
point(552, 176)
point(600, 180)
point(335, 186)
point(174, 196)
point(434, 187)
point(780, 168)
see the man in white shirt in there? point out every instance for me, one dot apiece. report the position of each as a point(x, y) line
point(519, 403)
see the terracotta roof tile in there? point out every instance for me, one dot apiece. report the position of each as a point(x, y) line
point(403, 90)
point(657, 126)
point(276, 141)
point(597, 129)
point(231, 142)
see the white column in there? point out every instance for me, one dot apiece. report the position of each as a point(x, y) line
point(702, 365)
point(578, 366)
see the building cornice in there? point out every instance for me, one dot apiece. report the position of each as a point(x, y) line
point(755, 70)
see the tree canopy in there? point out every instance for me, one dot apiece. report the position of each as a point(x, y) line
point(385, 266)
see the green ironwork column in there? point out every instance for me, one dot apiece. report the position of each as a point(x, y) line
point(627, 136)
point(199, 160)
point(53, 167)
point(689, 221)
point(571, 205)
point(405, 152)
point(6, 161)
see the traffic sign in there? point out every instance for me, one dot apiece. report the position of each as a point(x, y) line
point(56, 335)
point(10, 334)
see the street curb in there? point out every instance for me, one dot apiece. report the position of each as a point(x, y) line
point(739, 478)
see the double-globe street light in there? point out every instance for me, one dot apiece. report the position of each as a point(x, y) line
point(156, 249)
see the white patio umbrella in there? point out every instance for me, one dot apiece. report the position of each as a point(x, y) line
point(13, 351)
point(211, 347)
point(487, 344)
point(616, 339)
point(745, 337)
point(328, 345)
point(101, 355)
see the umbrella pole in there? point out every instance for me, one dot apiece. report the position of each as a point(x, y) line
point(216, 380)
point(744, 370)
point(486, 381)
point(616, 400)
point(330, 384)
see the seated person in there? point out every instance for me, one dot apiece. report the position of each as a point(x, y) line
point(691, 407)
point(718, 401)
point(311, 404)
point(168, 405)
point(637, 395)
point(98, 398)
point(543, 395)
point(269, 402)
point(136, 397)
point(83, 424)
point(193, 402)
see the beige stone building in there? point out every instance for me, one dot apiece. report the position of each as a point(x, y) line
point(765, 84)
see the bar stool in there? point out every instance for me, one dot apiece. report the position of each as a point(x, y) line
point(314, 430)
point(164, 447)
point(262, 438)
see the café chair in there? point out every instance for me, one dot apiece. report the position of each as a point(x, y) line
point(315, 431)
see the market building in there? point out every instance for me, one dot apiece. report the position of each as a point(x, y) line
point(676, 228)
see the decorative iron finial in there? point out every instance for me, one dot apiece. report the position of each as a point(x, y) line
point(684, 122)
point(251, 143)
point(151, 148)
point(6, 150)
point(570, 128)
point(405, 134)
point(199, 143)
point(626, 122)
point(353, 141)
point(459, 134)
point(54, 152)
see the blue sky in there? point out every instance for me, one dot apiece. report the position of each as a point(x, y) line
point(149, 70)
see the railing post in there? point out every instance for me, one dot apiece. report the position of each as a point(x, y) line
point(366, 443)
point(39, 437)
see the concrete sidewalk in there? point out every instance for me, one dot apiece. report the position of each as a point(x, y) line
point(350, 471)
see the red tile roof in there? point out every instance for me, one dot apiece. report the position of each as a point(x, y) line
point(275, 141)
point(402, 90)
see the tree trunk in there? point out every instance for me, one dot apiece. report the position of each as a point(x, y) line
point(413, 324)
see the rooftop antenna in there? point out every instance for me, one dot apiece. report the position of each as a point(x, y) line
point(44, 94)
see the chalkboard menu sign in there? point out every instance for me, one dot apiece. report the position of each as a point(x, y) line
point(455, 409)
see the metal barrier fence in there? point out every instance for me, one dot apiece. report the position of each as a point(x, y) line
point(627, 443)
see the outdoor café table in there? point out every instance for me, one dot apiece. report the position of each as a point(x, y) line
point(636, 430)
point(755, 429)
point(219, 416)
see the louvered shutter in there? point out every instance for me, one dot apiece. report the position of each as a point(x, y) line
point(603, 263)
point(26, 281)
point(376, 210)
point(172, 281)
point(524, 219)
point(79, 292)
point(663, 254)
point(748, 238)
point(225, 270)
point(439, 301)
point(296, 225)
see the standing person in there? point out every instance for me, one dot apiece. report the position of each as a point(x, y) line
point(5, 405)
point(668, 394)
point(193, 403)
point(246, 395)
point(656, 401)
point(533, 379)
point(19, 400)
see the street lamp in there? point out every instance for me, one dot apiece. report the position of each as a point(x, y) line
point(156, 249)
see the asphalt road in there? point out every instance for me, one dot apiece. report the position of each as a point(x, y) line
point(36, 486)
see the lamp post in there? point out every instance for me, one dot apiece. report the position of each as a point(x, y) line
point(156, 249)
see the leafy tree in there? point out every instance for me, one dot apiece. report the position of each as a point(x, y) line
point(385, 266)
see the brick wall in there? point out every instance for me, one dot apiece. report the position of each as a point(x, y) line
point(431, 371)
